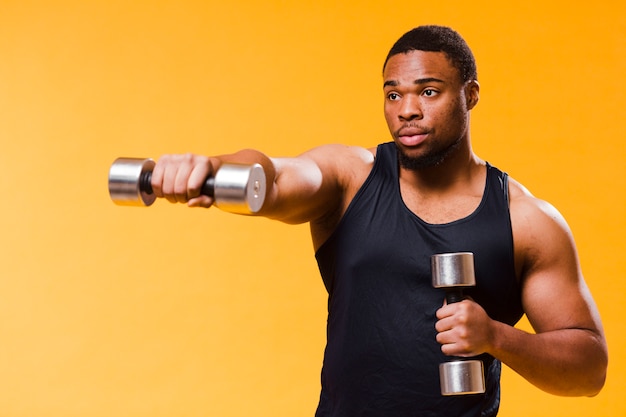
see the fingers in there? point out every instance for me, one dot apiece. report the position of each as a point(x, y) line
point(452, 331)
point(179, 179)
point(454, 342)
point(462, 329)
point(201, 201)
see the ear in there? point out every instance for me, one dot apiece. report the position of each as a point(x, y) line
point(472, 88)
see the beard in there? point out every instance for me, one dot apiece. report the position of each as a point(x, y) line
point(430, 159)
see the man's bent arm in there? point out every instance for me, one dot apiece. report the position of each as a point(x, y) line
point(568, 354)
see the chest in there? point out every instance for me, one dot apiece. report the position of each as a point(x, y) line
point(441, 209)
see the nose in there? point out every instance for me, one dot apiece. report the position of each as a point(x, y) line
point(410, 108)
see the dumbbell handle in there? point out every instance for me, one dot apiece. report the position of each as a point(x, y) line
point(454, 295)
point(145, 184)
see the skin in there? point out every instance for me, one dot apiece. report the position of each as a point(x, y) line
point(427, 108)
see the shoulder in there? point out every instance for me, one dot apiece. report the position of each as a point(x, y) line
point(340, 156)
point(345, 166)
point(343, 170)
point(528, 209)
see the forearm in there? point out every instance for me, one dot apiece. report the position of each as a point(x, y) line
point(568, 362)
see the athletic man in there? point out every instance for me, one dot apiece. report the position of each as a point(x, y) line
point(376, 217)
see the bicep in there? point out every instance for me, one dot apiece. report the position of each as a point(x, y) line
point(297, 191)
point(313, 185)
point(554, 293)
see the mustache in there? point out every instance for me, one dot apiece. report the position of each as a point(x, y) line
point(411, 129)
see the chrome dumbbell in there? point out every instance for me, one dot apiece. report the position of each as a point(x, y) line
point(454, 272)
point(236, 188)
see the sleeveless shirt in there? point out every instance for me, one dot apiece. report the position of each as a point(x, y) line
point(381, 357)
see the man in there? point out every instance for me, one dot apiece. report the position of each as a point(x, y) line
point(376, 217)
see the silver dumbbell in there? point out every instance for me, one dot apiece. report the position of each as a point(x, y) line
point(454, 272)
point(236, 188)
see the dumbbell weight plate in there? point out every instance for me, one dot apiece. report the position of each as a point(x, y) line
point(126, 178)
point(239, 188)
point(461, 377)
point(453, 270)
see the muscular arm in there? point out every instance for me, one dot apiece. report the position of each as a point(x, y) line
point(310, 187)
point(567, 354)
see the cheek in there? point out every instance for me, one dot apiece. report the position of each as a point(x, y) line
point(453, 116)
point(388, 116)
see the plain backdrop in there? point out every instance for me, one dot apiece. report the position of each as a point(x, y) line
point(168, 311)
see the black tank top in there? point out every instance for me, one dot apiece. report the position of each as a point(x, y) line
point(381, 357)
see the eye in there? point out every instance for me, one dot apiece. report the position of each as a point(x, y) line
point(393, 96)
point(429, 92)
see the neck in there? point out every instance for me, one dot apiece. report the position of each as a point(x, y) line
point(459, 169)
point(447, 192)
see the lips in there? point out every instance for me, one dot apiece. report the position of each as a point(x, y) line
point(411, 135)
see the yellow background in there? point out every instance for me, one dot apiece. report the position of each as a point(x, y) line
point(166, 311)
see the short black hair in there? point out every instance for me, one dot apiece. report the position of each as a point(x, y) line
point(433, 38)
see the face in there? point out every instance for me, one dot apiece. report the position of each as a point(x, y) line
point(427, 107)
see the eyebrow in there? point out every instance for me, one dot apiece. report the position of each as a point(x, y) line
point(419, 81)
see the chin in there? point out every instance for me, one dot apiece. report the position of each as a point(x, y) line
point(419, 162)
point(426, 160)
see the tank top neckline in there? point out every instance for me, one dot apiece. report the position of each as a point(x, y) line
point(398, 194)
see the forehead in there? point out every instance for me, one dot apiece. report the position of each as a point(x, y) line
point(416, 65)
